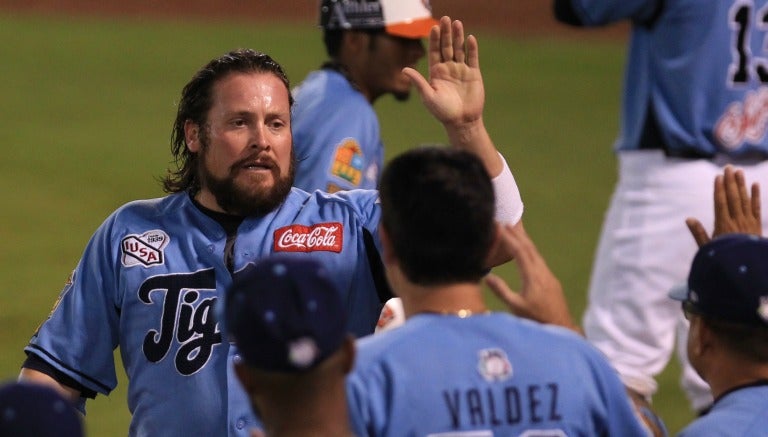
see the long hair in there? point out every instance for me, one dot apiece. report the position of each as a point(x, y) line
point(196, 101)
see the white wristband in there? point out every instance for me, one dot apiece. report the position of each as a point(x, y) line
point(509, 204)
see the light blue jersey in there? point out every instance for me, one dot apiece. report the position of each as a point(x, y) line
point(485, 375)
point(696, 81)
point(148, 282)
point(336, 135)
point(743, 412)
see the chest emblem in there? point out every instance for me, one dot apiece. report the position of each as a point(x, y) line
point(326, 237)
point(145, 249)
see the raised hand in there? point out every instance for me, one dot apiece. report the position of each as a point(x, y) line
point(541, 297)
point(736, 210)
point(454, 93)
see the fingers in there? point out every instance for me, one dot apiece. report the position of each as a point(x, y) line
point(473, 52)
point(500, 288)
point(745, 205)
point(434, 55)
point(458, 41)
point(697, 231)
point(446, 40)
point(447, 44)
point(756, 211)
point(733, 202)
point(735, 187)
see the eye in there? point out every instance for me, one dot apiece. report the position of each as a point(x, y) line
point(238, 122)
point(277, 124)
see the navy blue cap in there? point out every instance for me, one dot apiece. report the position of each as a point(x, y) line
point(37, 410)
point(285, 314)
point(728, 280)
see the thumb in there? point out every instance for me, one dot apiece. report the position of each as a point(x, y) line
point(418, 81)
point(697, 231)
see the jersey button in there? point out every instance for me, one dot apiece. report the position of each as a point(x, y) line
point(240, 424)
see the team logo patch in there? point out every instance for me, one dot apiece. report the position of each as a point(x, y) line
point(348, 161)
point(145, 249)
point(493, 365)
point(320, 237)
point(303, 352)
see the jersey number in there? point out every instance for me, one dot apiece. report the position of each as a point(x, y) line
point(745, 63)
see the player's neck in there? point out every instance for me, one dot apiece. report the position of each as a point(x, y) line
point(310, 416)
point(727, 373)
point(460, 299)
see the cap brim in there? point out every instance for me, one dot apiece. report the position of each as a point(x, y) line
point(418, 28)
point(679, 292)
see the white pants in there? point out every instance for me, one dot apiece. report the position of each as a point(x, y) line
point(645, 249)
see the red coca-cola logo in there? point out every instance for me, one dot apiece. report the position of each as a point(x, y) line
point(320, 237)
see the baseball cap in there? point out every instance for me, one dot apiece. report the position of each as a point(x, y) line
point(36, 410)
point(728, 280)
point(285, 314)
point(403, 18)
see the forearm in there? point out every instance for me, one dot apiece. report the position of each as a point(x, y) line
point(473, 136)
point(37, 377)
point(509, 203)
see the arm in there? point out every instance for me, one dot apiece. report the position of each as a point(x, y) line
point(736, 211)
point(455, 96)
point(541, 298)
point(38, 377)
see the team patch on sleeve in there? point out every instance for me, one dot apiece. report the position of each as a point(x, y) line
point(145, 249)
point(326, 237)
point(348, 161)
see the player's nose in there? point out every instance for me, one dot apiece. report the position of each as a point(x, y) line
point(259, 137)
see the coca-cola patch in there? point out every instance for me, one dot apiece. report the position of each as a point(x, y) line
point(320, 237)
point(145, 249)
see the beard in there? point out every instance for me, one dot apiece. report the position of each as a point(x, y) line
point(253, 198)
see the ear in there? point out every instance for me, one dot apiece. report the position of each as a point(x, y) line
point(700, 336)
point(354, 41)
point(387, 253)
point(192, 136)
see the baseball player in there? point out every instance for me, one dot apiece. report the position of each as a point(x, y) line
point(726, 301)
point(694, 101)
point(288, 321)
point(150, 276)
point(335, 128)
point(454, 368)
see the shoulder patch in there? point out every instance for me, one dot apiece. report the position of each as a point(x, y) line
point(145, 250)
point(494, 365)
point(326, 237)
point(348, 161)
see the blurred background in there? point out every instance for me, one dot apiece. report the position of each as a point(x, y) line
point(88, 90)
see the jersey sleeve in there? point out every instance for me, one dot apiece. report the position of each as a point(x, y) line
point(337, 139)
point(79, 336)
point(367, 412)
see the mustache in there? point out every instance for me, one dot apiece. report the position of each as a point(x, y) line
point(253, 158)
